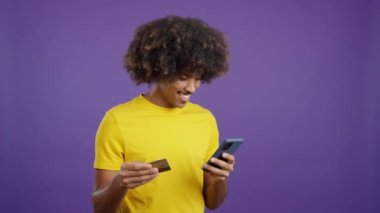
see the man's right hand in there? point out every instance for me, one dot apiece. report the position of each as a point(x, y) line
point(134, 174)
point(110, 186)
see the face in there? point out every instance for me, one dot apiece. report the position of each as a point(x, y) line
point(175, 93)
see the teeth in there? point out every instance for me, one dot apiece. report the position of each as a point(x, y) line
point(183, 93)
point(184, 97)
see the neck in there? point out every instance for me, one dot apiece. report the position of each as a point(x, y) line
point(155, 96)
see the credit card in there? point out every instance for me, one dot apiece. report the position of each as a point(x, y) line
point(162, 165)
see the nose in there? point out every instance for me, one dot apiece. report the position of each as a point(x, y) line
point(192, 85)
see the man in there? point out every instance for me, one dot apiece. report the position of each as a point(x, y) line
point(174, 55)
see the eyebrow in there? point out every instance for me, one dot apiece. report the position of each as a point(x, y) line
point(194, 74)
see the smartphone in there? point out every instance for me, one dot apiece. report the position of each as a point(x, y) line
point(229, 146)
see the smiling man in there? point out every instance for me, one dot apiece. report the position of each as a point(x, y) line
point(175, 56)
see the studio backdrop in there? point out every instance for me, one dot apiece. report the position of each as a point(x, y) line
point(303, 91)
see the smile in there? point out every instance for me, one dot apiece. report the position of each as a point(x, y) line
point(184, 96)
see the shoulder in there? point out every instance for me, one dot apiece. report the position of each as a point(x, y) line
point(122, 109)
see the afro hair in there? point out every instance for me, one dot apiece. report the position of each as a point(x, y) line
point(166, 48)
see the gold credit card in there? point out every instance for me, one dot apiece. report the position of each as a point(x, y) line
point(162, 165)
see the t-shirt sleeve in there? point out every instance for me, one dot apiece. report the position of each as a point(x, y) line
point(109, 149)
point(214, 139)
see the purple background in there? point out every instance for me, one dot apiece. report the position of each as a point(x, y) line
point(304, 92)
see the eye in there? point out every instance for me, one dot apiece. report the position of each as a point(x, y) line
point(182, 78)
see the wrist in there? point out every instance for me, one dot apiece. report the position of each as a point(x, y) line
point(119, 182)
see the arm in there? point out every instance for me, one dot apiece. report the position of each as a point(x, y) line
point(215, 188)
point(111, 186)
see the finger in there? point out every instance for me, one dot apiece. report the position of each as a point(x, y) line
point(222, 164)
point(215, 171)
point(230, 158)
point(134, 185)
point(138, 181)
point(135, 166)
point(137, 173)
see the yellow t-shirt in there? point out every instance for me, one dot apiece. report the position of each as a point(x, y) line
point(142, 131)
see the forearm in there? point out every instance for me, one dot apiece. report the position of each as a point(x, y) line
point(214, 193)
point(108, 199)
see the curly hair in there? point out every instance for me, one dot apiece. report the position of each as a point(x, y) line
point(165, 48)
